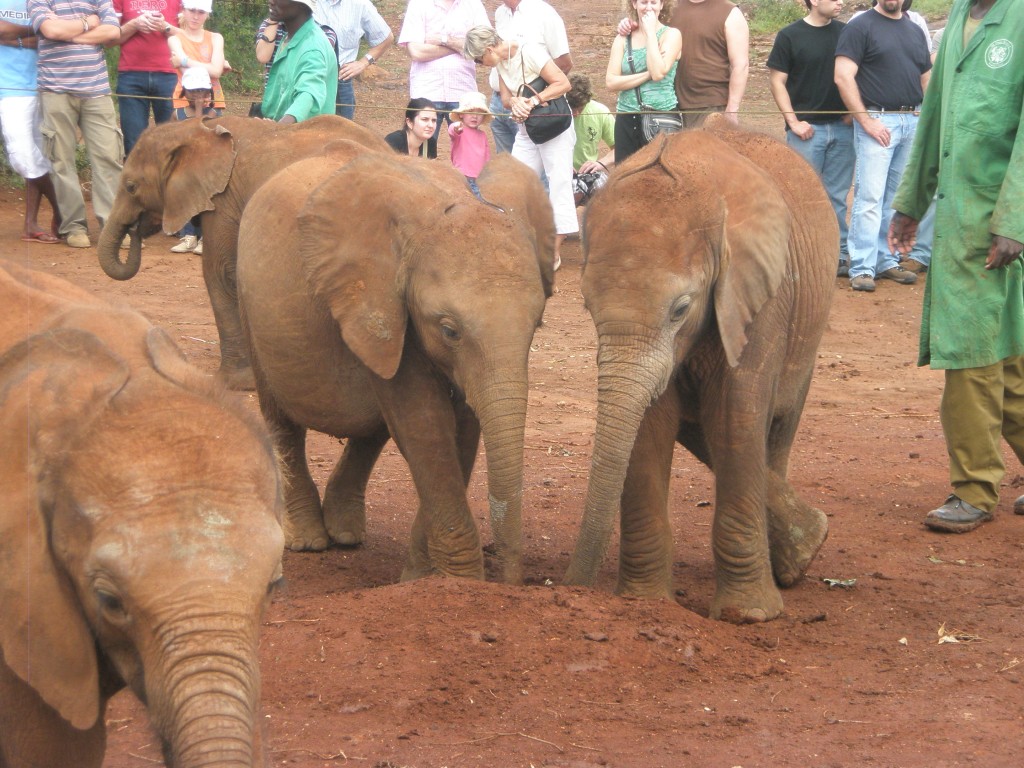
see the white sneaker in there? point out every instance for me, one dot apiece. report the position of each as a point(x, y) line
point(198, 250)
point(79, 240)
point(187, 244)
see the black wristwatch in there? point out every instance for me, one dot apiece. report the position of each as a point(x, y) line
point(264, 38)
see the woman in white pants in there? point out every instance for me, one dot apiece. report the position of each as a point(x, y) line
point(518, 64)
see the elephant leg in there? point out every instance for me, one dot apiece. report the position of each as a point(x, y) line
point(303, 524)
point(796, 530)
point(418, 409)
point(645, 547)
point(745, 591)
point(219, 262)
point(344, 510)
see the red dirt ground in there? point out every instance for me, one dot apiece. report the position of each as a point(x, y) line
point(359, 669)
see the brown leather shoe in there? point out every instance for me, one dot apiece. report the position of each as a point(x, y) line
point(956, 516)
point(898, 274)
point(1018, 506)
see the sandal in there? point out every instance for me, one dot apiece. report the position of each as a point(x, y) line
point(40, 237)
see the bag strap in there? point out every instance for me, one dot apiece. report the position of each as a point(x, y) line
point(632, 70)
point(526, 86)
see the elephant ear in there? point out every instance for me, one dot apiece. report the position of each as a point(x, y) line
point(753, 254)
point(52, 386)
point(196, 169)
point(351, 246)
point(512, 186)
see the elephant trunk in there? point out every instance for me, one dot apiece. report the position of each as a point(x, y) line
point(502, 415)
point(205, 697)
point(630, 377)
point(109, 249)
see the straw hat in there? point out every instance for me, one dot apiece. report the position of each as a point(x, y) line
point(472, 101)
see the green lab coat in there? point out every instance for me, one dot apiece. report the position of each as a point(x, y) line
point(303, 79)
point(969, 153)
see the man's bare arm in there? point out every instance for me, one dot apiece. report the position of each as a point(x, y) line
point(737, 40)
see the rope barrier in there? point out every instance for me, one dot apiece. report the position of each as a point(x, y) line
point(384, 108)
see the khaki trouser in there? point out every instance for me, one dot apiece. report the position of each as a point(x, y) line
point(694, 118)
point(63, 116)
point(978, 406)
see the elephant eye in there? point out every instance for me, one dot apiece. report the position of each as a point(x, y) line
point(111, 606)
point(131, 186)
point(449, 331)
point(679, 308)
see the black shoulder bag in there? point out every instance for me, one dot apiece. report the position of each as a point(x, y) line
point(548, 119)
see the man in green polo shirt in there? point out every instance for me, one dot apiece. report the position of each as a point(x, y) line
point(303, 80)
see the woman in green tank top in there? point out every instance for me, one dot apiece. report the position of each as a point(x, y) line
point(653, 51)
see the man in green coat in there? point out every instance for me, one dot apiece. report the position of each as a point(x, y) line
point(969, 151)
point(303, 81)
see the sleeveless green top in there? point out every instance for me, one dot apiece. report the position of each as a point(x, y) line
point(659, 95)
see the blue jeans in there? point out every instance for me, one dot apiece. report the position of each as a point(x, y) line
point(345, 103)
point(503, 128)
point(158, 86)
point(830, 153)
point(875, 181)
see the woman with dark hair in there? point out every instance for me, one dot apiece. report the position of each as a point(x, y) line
point(642, 70)
point(413, 137)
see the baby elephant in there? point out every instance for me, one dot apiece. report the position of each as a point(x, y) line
point(709, 267)
point(139, 535)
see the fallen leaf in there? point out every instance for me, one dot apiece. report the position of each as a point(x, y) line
point(955, 635)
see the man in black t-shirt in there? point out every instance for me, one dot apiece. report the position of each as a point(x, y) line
point(817, 124)
point(881, 69)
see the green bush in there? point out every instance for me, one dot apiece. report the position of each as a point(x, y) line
point(766, 17)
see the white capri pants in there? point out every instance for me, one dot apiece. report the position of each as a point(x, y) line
point(20, 117)
point(554, 159)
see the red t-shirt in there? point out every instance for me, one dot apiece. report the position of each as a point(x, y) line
point(148, 51)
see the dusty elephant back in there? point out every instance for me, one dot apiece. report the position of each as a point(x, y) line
point(800, 185)
point(814, 239)
point(32, 300)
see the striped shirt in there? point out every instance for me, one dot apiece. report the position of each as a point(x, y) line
point(449, 77)
point(66, 67)
point(351, 20)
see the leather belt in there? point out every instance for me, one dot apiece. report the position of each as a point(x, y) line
point(876, 108)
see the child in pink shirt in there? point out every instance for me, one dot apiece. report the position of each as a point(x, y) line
point(470, 150)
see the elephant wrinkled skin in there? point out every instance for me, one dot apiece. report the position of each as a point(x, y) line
point(392, 301)
point(211, 167)
point(709, 267)
point(139, 534)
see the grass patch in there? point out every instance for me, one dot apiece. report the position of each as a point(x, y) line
point(766, 17)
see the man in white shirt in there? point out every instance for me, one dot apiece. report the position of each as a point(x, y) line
point(352, 20)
